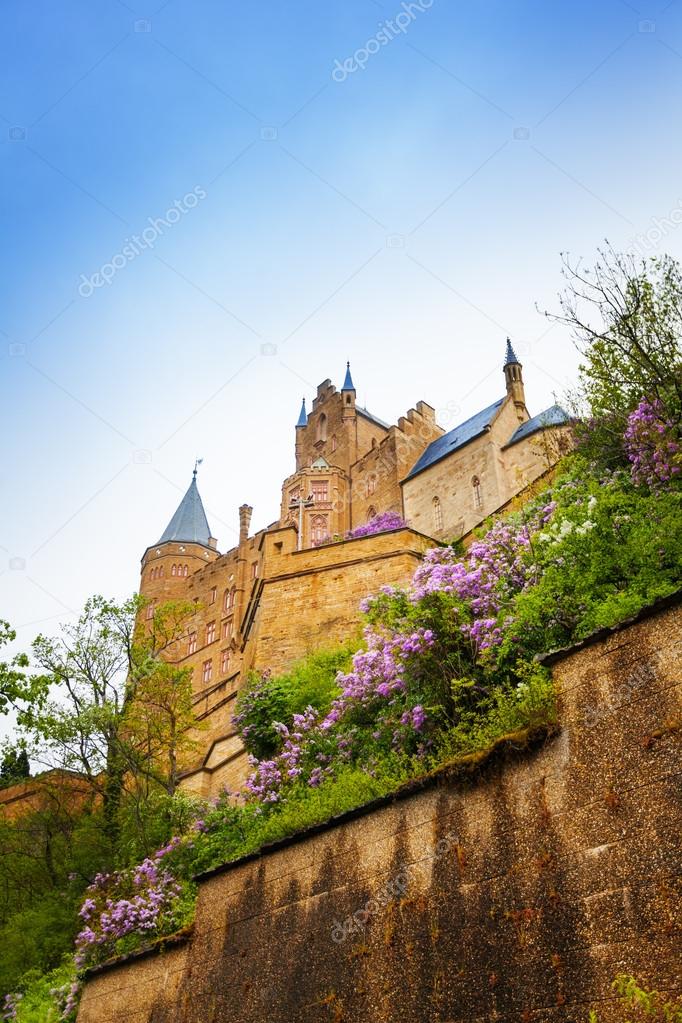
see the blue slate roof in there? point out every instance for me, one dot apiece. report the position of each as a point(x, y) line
point(189, 524)
point(510, 356)
point(457, 438)
point(303, 416)
point(552, 416)
point(348, 384)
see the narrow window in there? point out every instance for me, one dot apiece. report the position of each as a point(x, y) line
point(476, 487)
point(173, 569)
point(322, 428)
point(332, 445)
point(210, 632)
point(371, 513)
point(254, 570)
point(227, 628)
point(192, 643)
point(150, 611)
point(371, 484)
point(212, 595)
point(185, 570)
point(225, 661)
point(318, 529)
point(207, 670)
point(232, 597)
point(437, 514)
point(160, 571)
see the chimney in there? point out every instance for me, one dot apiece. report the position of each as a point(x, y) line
point(245, 513)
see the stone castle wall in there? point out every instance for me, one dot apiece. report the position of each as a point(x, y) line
point(515, 896)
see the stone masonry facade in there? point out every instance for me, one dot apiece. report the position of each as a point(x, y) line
point(297, 584)
point(517, 894)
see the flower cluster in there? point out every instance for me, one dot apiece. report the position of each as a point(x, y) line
point(652, 445)
point(375, 690)
point(379, 524)
point(66, 998)
point(141, 900)
point(9, 1007)
point(495, 568)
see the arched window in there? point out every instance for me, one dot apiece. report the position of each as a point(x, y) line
point(160, 573)
point(371, 513)
point(371, 484)
point(224, 661)
point(185, 570)
point(437, 514)
point(332, 445)
point(173, 569)
point(322, 427)
point(232, 597)
point(476, 487)
point(226, 600)
point(319, 531)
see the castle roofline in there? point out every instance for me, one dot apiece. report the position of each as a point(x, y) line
point(189, 523)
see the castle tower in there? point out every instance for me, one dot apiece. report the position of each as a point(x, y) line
point(186, 545)
point(513, 376)
point(300, 428)
point(349, 417)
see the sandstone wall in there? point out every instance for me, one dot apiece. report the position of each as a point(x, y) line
point(516, 896)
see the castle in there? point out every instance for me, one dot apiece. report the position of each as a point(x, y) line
point(297, 584)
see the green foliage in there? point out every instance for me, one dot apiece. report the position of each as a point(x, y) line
point(234, 831)
point(626, 318)
point(15, 766)
point(610, 550)
point(266, 699)
point(502, 711)
point(43, 995)
point(645, 1004)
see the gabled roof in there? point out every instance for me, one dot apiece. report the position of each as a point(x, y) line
point(189, 524)
point(552, 416)
point(372, 419)
point(457, 438)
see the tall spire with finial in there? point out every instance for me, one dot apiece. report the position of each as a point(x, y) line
point(303, 415)
point(510, 356)
point(513, 375)
point(348, 384)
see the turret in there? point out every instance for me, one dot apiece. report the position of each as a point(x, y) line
point(186, 545)
point(348, 415)
point(300, 427)
point(513, 376)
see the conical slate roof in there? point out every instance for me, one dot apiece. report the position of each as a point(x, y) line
point(189, 524)
point(303, 416)
point(348, 384)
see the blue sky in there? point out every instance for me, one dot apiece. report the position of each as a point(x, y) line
point(406, 218)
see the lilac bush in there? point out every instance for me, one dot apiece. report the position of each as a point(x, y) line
point(652, 445)
point(379, 524)
point(145, 900)
point(9, 1007)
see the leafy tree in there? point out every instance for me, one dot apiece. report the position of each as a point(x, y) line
point(15, 766)
point(95, 671)
point(15, 687)
point(625, 315)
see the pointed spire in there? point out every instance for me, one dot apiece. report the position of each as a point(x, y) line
point(303, 415)
point(348, 384)
point(510, 356)
point(189, 524)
